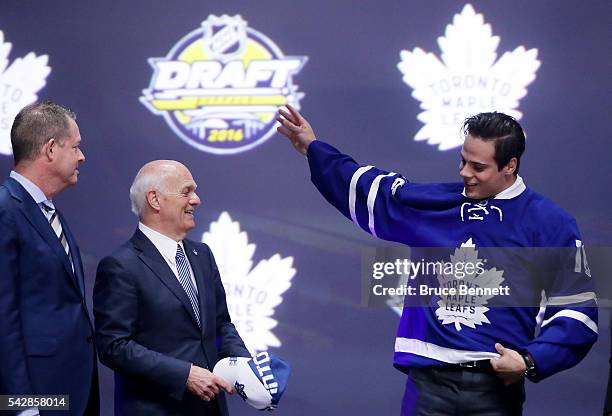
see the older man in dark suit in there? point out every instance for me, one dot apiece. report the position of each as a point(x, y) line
point(46, 336)
point(161, 316)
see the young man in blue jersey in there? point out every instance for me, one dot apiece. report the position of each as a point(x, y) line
point(474, 361)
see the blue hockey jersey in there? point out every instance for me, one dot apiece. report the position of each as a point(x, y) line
point(389, 207)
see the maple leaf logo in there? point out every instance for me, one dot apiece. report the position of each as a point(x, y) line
point(471, 311)
point(467, 81)
point(19, 84)
point(252, 293)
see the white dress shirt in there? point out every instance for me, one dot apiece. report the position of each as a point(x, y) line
point(35, 192)
point(167, 248)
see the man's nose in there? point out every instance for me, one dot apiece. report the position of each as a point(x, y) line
point(195, 200)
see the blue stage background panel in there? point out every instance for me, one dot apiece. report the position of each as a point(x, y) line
point(354, 96)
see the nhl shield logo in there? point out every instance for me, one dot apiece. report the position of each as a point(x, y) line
point(224, 37)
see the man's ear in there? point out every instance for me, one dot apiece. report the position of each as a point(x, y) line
point(49, 149)
point(510, 166)
point(153, 200)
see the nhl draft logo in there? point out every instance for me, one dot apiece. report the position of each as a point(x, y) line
point(467, 310)
point(252, 292)
point(467, 80)
point(19, 84)
point(219, 87)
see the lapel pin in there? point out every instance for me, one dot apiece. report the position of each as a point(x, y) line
point(195, 252)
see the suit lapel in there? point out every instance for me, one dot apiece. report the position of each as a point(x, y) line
point(79, 275)
point(154, 261)
point(34, 215)
point(204, 284)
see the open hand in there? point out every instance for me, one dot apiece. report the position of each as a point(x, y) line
point(295, 128)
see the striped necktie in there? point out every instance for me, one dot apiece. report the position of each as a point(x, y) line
point(57, 226)
point(184, 277)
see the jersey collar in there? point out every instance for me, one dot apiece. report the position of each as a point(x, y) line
point(517, 188)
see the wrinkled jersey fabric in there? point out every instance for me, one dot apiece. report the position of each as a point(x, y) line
point(552, 288)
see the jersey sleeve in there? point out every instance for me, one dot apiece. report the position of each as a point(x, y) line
point(381, 203)
point(569, 323)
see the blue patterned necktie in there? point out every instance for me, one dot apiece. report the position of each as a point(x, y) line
point(184, 277)
point(57, 227)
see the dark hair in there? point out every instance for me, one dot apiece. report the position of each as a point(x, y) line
point(35, 125)
point(507, 133)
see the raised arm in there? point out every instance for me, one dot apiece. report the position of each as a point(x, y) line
point(382, 203)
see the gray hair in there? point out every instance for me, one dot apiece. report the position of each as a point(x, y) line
point(145, 181)
point(34, 125)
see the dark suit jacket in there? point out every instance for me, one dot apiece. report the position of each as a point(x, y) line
point(46, 336)
point(147, 332)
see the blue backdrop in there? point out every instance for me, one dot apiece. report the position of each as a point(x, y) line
point(340, 351)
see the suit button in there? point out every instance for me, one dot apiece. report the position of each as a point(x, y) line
point(90, 339)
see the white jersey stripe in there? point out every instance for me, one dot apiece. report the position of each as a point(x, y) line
point(569, 299)
point(579, 316)
point(372, 199)
point(353, 190)
point(436, 352)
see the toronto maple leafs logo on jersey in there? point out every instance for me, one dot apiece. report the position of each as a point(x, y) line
point(252, 292)
point(19, 84)
point(468, 310)
point(467, 80)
